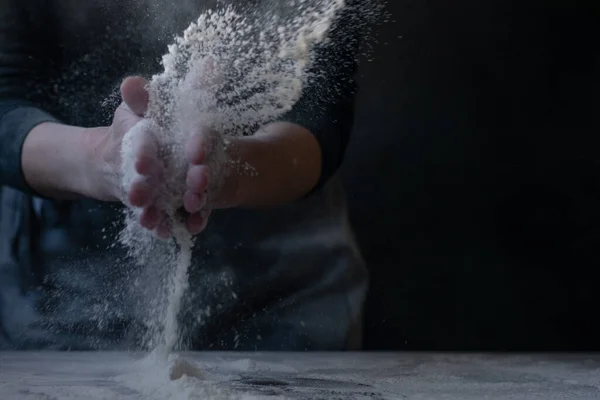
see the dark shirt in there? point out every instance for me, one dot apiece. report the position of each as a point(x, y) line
point(56, 68)
point(290, 277)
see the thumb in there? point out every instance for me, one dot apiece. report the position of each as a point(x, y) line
point(135, 95)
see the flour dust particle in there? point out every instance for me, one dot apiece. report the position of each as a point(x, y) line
point(232, 70)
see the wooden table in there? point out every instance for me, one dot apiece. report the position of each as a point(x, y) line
point(342, 376)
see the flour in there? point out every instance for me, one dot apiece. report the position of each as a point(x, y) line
point(230, 72)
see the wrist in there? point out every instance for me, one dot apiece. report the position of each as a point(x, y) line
point(91, 172)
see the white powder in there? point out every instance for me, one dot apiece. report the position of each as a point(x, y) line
point(230, 72)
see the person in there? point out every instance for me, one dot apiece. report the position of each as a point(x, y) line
point(275, 267)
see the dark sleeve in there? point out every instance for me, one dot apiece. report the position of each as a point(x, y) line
point(326, 107)
point(25, 40)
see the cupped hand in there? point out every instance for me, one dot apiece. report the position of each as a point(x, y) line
point(139, 187)
point(105, 176)
point(146, 184)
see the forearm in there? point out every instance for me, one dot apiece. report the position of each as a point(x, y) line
point(277, 165)
point(53, 159)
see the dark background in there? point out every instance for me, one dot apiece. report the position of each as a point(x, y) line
point(474, 176)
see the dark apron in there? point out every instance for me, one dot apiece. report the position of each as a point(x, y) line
point(287, 278)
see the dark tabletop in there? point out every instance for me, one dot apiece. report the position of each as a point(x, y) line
point(219, 376)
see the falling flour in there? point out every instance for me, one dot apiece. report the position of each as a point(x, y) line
point(231, 72)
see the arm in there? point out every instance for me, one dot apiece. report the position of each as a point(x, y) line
point(26, 49)
point(285, 162)
point(299, 154)
point(52, 157)
point(38, 154)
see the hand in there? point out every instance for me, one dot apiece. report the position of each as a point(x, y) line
point(142, 188)
point(144, 191)
point(107, 182)
point(105, 178)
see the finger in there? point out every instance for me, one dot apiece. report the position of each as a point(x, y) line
point(149, 218)
point(135, 95)
point(163, 229)
point(141, 192)
point(197, 222)
point(141, 139)
point(146, 143)
point(195, 150)
point(194, 202)
point(143, 145)
point(147, 165)
point(197, 179)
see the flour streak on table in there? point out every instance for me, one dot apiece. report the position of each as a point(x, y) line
point(342, 376)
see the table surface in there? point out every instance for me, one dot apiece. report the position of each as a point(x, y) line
point(342, 376)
